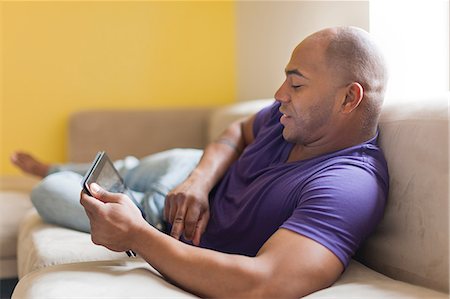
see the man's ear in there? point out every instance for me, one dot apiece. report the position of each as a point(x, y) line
point(353, 97)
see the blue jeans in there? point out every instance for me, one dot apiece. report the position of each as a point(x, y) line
point(57, 196)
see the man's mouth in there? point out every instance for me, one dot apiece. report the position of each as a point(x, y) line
point(285, 114)
point(284, 118)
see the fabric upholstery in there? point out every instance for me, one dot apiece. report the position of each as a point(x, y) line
point(221, 118)
point(359, 281)
point(133, 278)
point(411, 243)
point(41, 245)
point(120, 278)
point(136, 132)
point(13, 205)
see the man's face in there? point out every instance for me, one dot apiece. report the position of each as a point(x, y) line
point(308, 95)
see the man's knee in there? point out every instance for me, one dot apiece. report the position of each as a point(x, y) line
point(64, 183)
point(57, 200)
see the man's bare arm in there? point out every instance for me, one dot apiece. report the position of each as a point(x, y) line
point(287, 266)
point(187, 206)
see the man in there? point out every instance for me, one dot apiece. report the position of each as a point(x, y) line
point(282, 200)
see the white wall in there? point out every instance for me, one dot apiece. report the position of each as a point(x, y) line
point(415, 43)
point(268, 31)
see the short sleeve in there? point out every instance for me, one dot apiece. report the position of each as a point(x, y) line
point(263, 116)
point(339, 208)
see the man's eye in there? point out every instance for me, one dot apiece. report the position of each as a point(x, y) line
point(296, 86)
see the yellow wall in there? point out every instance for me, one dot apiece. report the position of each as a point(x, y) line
point(61, 57)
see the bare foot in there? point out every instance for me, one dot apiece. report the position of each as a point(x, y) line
point(29, 164)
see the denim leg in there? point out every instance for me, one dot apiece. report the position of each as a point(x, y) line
point(156, 175)
point(57, 199)
point(173, 165)
point(57, 196)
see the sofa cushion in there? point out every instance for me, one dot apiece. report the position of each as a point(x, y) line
point(133, 278)
point(358, 281)
point(411, 243)
point(16, 204)
point(121, 278)
point(41, 245)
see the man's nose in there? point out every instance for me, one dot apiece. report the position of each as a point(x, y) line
point(281, 94)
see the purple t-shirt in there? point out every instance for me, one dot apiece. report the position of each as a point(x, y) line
point(335, 199)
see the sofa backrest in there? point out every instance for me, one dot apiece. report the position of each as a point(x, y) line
point(221, 118)
point(412, 241)
point(135, 132)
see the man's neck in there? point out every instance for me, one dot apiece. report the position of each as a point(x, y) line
point(303, 152)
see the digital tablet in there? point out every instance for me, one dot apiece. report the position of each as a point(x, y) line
point(103, 173)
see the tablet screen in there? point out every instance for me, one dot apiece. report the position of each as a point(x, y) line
point(104, 174)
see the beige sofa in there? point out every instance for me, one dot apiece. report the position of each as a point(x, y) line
point(407, 257)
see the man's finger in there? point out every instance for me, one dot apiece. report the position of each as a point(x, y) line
point(176, 207)
point(103, 195)
point(190, 222)
point(90, 203)
point(200, 229)
point(178, 223)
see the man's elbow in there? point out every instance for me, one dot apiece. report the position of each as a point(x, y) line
point(276, 285)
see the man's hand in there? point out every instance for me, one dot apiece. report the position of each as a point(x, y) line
point(115, 219)
point(187, 206)
point(187, 209)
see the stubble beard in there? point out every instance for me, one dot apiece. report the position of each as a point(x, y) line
point(306, 130)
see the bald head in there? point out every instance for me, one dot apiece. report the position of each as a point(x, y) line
point(351, 55)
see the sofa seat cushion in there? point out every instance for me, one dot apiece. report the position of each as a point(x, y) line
point(133, 278)
point(16, 204)
point(41, 245)
point(122, 278)
point(359, 281)
point(13, 205)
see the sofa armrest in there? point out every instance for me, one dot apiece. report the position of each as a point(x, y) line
point(221, 118)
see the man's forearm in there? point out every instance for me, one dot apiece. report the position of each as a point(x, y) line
point(219, 155)
point(201, 271)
